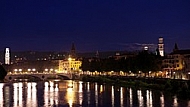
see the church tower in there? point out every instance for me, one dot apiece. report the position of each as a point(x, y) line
point(73, 51)
point(175, 48)
point(161, 46)
point(7, 56)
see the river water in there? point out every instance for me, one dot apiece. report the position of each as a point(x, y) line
point(82, 94)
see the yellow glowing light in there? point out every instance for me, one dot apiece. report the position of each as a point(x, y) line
point(80, 86)
point(101, 88)
point(70, 96)
point(69, 59)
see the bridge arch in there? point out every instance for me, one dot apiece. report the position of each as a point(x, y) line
point(12, 77)
point(39, 76)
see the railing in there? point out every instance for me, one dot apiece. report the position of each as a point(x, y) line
point(24, 73)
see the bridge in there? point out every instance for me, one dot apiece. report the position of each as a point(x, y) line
point(41, 76)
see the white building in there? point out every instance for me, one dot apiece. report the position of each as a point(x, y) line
point(7, 56)
point(161, 46)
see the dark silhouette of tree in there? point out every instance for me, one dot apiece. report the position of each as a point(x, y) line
point(3, 72)
point(145, 61)
point(85, 64)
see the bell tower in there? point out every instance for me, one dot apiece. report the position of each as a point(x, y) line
point(161, 46)
point(73, 51)
point(7, 56)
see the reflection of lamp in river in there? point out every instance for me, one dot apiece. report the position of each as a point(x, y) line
point(149, 98)
point(46, 91)
point(80, 93)
point(121, 96)
point(162, 100)
point(175, 102)
point(1, 94)
point(101, 88)
point(70, 96)
point(70, 84)
point(20, 94)
point(88, 87)
point(96, 94)
point(34, 94)
point(131, 97)
point(15, 93)
point(140, 98)
point(112, 96)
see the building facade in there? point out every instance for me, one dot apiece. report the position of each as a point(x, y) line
point(70, 65)
point(177, 63)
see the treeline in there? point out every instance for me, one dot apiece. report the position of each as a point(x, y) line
point(3, 73)
point(144, 61)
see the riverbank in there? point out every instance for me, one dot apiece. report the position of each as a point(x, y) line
point(181, 88)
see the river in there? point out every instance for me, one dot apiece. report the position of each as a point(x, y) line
point(82, 94)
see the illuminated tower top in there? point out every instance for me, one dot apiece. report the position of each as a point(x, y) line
point(7, 56)
point(161, 46)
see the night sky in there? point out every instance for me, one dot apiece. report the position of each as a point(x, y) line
point(53, 25)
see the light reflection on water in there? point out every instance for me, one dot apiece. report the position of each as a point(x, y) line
point(81, 94)
point(1, 95)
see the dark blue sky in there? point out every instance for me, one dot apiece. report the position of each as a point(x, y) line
point(92, 24)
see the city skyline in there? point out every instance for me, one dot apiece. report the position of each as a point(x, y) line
point(93, 25)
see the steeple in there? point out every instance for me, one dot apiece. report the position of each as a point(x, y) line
point(72, 52)
point(175, 47)
point(97, 54)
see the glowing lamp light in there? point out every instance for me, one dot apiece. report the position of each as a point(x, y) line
point(69, 59)
point(33, 69)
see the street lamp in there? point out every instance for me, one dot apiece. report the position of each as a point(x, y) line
point(33, 69)
point(20, 70)
point(15, 70)
point(149, 73)
point(140, 73)
point(174, 74)
point(51, 70)
point(56, 71)
point(46, 70)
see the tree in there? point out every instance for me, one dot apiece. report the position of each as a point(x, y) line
point(147, 62)
point(3, 72)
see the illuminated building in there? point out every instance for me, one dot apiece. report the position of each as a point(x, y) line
point(161, 46)
point(7, 56)
point(70, 65)
point(177, 61)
